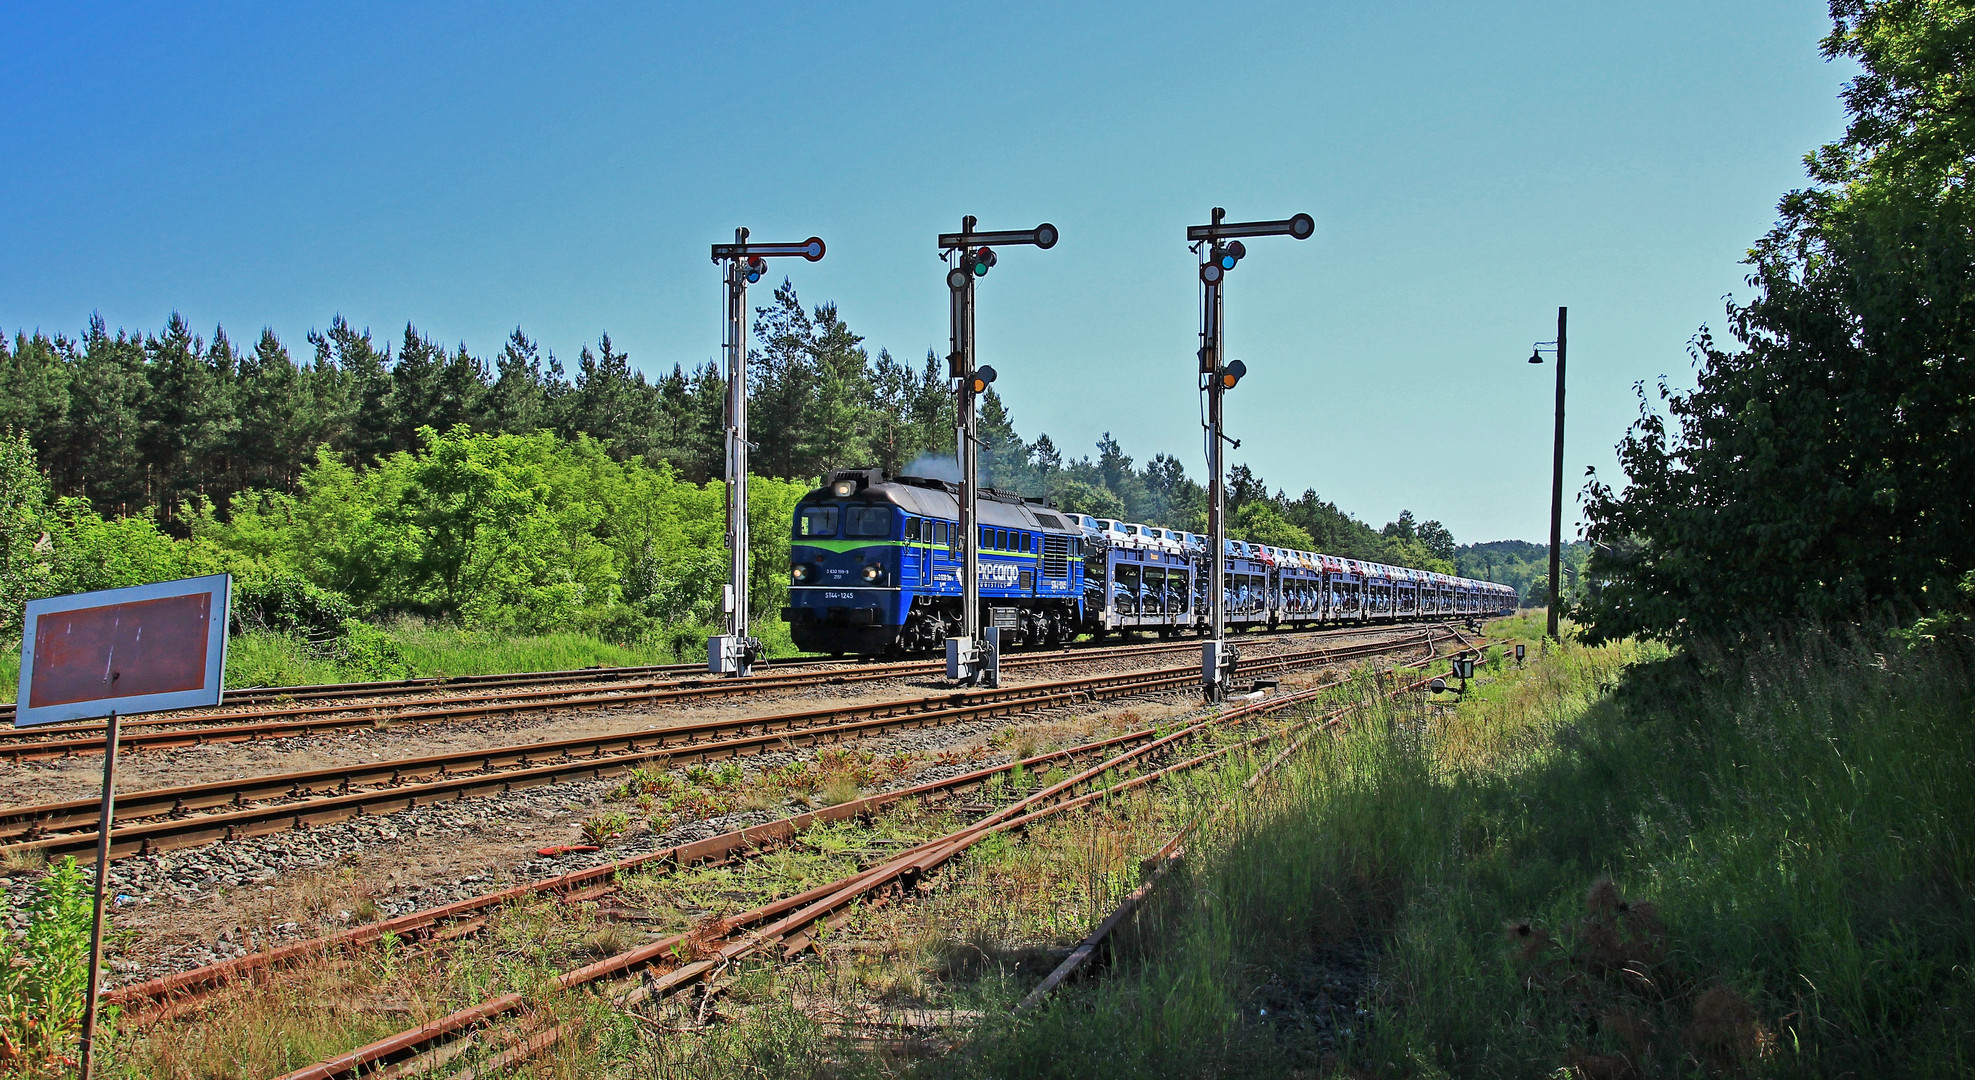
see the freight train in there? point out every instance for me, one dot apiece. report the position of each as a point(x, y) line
point(875, 569)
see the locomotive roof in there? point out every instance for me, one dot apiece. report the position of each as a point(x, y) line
point(932, 498)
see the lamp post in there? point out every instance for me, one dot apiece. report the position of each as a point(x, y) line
point(1557, 469)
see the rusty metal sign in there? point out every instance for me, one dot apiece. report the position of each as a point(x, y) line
point(148, 648)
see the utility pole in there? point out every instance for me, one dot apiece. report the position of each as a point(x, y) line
point(1557, 486)
point(973, 658)
point(1220, 251)
point(735, 652)
point(1556, 471)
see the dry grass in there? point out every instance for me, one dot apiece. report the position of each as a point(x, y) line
point(32, 861)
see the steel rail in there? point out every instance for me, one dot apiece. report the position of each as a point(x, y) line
point(798, 914)
point(172, 732)
point(523, 766)
point(428, 683)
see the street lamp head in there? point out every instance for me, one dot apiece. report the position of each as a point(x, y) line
point(1535, 357)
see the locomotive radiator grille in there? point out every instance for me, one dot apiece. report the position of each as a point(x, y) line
point(1056, 556)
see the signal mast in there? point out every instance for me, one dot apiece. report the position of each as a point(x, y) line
point(973, 658)
point(734, 652)
point(1220, 251)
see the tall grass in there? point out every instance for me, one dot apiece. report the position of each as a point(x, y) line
point(1614, 862)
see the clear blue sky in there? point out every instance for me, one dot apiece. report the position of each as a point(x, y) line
point(563, 168)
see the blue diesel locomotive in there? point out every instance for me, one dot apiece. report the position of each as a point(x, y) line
point(875, 570)
point(874, 566)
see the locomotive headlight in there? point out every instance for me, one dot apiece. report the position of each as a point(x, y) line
point(873, 572)
point(801, 572)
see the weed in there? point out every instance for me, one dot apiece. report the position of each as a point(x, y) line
point(840, 788)
point(641, 783)
point(611, 938)
point(606, 828)
point(695, 803)
point(23, 861)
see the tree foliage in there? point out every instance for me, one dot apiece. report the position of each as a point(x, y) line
point(1823, 465)
point(508, 494)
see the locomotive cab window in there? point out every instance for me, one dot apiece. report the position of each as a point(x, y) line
point(867, 522)
point(1001, 539)
point(817, 521)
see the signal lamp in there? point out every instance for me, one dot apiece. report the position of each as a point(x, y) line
point(1211, 272)
point(981, 261)
point(1231, 374)
point(800, 572)
point(756, 266)
point(983, 375)
point(873, 572)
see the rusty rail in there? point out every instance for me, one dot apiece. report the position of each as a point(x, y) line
point(293, 720)
point(404, 783)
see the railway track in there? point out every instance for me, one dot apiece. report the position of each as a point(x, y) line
point(384, 689)
point(510, 695)
point(788, 925)
point(176, 817)
point(589, 884)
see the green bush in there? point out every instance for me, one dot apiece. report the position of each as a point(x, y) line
point(44, 971)
point(522, 534)
point(290, 605)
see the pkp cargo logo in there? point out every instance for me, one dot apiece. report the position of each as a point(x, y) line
point(998, 573)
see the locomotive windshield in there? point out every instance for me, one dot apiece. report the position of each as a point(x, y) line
point(867, 522)
point(816, 521)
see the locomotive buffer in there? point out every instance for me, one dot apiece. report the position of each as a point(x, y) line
point(1219, 246)
point(734, 652)
point(973, 658)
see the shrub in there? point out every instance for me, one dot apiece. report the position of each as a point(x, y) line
point(290, 605)
point(43, 972)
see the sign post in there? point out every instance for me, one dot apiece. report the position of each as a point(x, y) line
point(971, 659)
point(149, 648)
point(734, 651)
